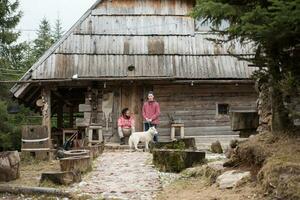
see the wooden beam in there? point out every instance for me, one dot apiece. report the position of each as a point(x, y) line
point(62, 98)
point(46, 111)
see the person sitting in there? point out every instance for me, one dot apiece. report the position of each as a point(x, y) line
point(125, 125)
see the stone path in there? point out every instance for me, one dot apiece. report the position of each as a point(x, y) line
point(121, 175)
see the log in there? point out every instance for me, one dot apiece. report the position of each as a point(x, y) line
point(61, 178)
point(34, 190)
point(174, 160)
point(9, 165)
point(76, 163)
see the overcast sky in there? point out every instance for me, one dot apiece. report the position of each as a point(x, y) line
point(69, 11)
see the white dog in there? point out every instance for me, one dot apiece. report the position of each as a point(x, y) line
point(146, 137)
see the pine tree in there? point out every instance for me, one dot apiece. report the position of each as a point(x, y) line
point(9, 18)
point(44, 38)
point(12, 63)
point(274, 27)
point(58, 31)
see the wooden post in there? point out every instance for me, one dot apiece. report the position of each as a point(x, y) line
point(60, 114)
point(172, 133)
point(182, 132)
point(46, 111)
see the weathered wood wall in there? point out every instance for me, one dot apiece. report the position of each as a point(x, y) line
point(196, 106)
point(157, 37)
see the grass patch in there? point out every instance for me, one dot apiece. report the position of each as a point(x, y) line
point(275, 160)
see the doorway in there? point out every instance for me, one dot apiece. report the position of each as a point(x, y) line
point(132, 97)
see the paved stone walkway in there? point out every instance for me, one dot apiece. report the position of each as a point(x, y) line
point(121, 175)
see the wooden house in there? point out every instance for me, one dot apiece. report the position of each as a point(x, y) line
point(119, 50)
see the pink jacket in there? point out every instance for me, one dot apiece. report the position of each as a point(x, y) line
point(125, 123)
point(151, 110)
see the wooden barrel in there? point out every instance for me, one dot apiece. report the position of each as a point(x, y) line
point(36, 142)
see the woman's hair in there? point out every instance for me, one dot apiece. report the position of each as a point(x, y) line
point(150, 92)
point(124, 111)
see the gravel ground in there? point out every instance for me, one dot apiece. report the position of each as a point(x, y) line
point(122, 175)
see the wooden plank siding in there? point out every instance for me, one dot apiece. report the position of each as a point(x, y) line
point(142, 7)
point(195, 106)
point(136, 25)
point(60, 66)
point(141, 45)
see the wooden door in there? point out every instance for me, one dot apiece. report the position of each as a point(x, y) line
point(132, 98)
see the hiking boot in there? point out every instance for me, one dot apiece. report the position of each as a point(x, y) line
point(122, 142)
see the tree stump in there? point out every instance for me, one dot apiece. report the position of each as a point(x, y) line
point(76, 163)
point(174, 160)
point(9, 165)
point(77, 152)
point(61, 178)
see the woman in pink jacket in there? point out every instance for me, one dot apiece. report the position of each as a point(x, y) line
point(125, 125)
point(151, 112)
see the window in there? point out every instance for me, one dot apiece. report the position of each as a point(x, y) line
point(95, 135)
point(223, 109)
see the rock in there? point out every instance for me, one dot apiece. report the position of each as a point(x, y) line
point(216, 147)
point(209, 171)
point(82, 184)
point(229, 179)
point(9, 165)
point(216, 165)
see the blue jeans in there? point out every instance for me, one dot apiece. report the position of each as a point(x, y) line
point(147, 126)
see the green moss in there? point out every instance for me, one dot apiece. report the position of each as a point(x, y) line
point(173, 162)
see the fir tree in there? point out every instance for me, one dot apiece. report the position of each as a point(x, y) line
point(58, 31)
point(44, 39)
point(9, 19)
point(274, 27)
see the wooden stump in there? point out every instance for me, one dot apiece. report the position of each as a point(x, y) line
point(185, 143)
point(172, 160)
point(77, 152)
point(9, 165)
point(61, 178)
point(95, 150)
point(77, 163)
